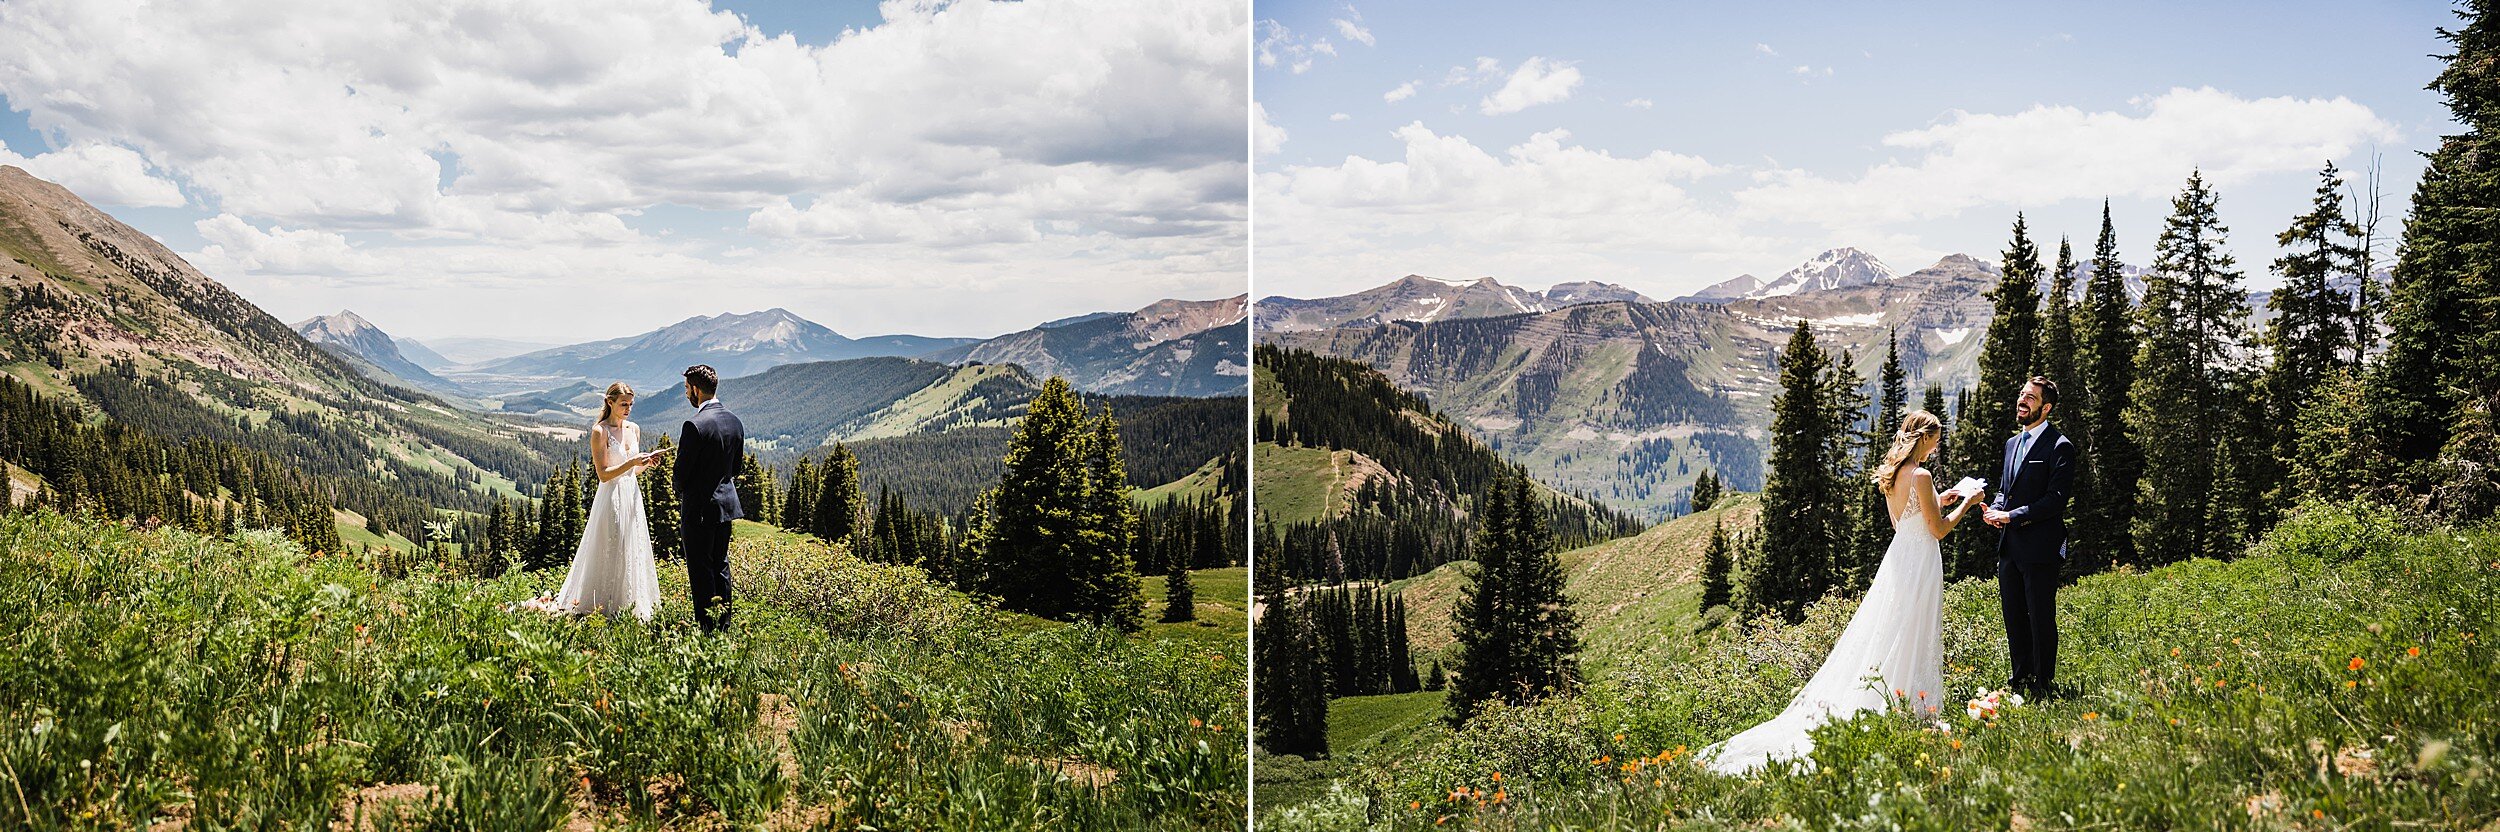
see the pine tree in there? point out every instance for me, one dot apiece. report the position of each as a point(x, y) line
point(2058, 322)
point(1291, 687)
point(2309, 331)
point(1179, 597)
point(1801, 505)
point(800, 514)
point(756, 492)
point(659, 504)
point(1054, 535)
point(1874, 532)
point(1716, 564)
point(1705, 491)
point(1516, 633)
point(2007, 359)
point(2443, 348)
point(2182, 411)
point(838, 505)
point(1439, 680)
point(2107, 470)
point(1845, 453)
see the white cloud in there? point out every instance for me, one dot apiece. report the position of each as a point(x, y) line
point(1640, 103)
point(1281, 47)
point(1485, 69)
point(1339, 117)
point(1403, 92)
point(1113, 126)
point(105, 174)
point(1448, 205)
point(1538, 81)
point(2046, 154)
point(1766, 49)
point(1266, 138)
point(238, 245)
point(1352, 32)
point(1804, 71)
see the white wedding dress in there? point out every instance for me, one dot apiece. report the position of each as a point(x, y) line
point(613, 570)
point(1891, 653)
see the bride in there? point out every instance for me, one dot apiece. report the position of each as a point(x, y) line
point(613, 570)
point(1892, 652)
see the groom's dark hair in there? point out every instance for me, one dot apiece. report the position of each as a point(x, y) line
point(2048, 389)
point(703, 378)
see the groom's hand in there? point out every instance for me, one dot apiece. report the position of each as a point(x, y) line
point(1997, 518)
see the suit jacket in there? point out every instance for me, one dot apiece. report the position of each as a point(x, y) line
point(711, 448)
point(2034, 491)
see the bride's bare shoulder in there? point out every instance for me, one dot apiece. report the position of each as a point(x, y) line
point(1922, 478)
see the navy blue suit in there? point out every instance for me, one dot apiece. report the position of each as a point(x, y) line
point(711, 449)
point(2030, 548)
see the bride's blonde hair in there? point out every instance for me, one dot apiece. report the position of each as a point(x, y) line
point(617, 392)
point(1918, 425)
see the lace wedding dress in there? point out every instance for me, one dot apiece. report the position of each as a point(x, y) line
point(1891, 653)
point(613, 570)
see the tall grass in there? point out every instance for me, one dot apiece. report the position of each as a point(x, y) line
point(2339, 676)
point(151, 676)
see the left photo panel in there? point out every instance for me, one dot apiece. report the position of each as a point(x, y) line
point(684, 414)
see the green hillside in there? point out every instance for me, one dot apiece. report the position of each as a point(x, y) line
point(2338, 676)
point(163, 679)
point(1636, 596)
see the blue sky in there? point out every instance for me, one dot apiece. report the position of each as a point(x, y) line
point(1700, 141)
point(569, 170)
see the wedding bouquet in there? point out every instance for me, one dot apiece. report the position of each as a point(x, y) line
point(1989, 702)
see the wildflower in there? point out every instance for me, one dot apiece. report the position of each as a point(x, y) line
point(1618, 738)
point(1500, 795)
point(2091, 715)
point(1414, 804)
point(2356, 663)
point(2413, 651)
point(2174, 652)
point(1194, 723)
point(1497, 777)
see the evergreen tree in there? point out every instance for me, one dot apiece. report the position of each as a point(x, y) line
point(1180, 597)
point(2106, 471)
point(659, 503)
point(758, 492)
point(1706, 489)
point(1844, 455)
point(1874, 532)
point(2443, 348)
point(1716, 564)
point(2058, 322)
point(1516, 633)
point(1439, 680)
point(2309, 331)
point(838, 506)
point(1801, 528)
point(2007, 359)
point(1053, 537)
point(1290, 686)
point(800, 514)
point(2182, 412)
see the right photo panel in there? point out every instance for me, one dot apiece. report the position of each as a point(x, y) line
point(1960, 416)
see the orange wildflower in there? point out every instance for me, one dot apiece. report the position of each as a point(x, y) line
point(2413, 651)
point(2356, 663)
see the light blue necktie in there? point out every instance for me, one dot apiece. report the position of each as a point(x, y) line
point(2022, 450)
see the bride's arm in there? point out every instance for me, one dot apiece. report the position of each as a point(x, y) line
point(599, 458)
point(1924, 485)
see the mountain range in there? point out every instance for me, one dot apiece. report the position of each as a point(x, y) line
point(1425, 299)
point(101, 316)
point(1838, 268)
point(1171, 347)
point(1629, 401)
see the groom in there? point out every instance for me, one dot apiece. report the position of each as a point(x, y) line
point(2029, 513)
point(710, 450)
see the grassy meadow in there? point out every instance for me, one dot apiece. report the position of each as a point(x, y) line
point(160, 679)
point(2339, 676)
